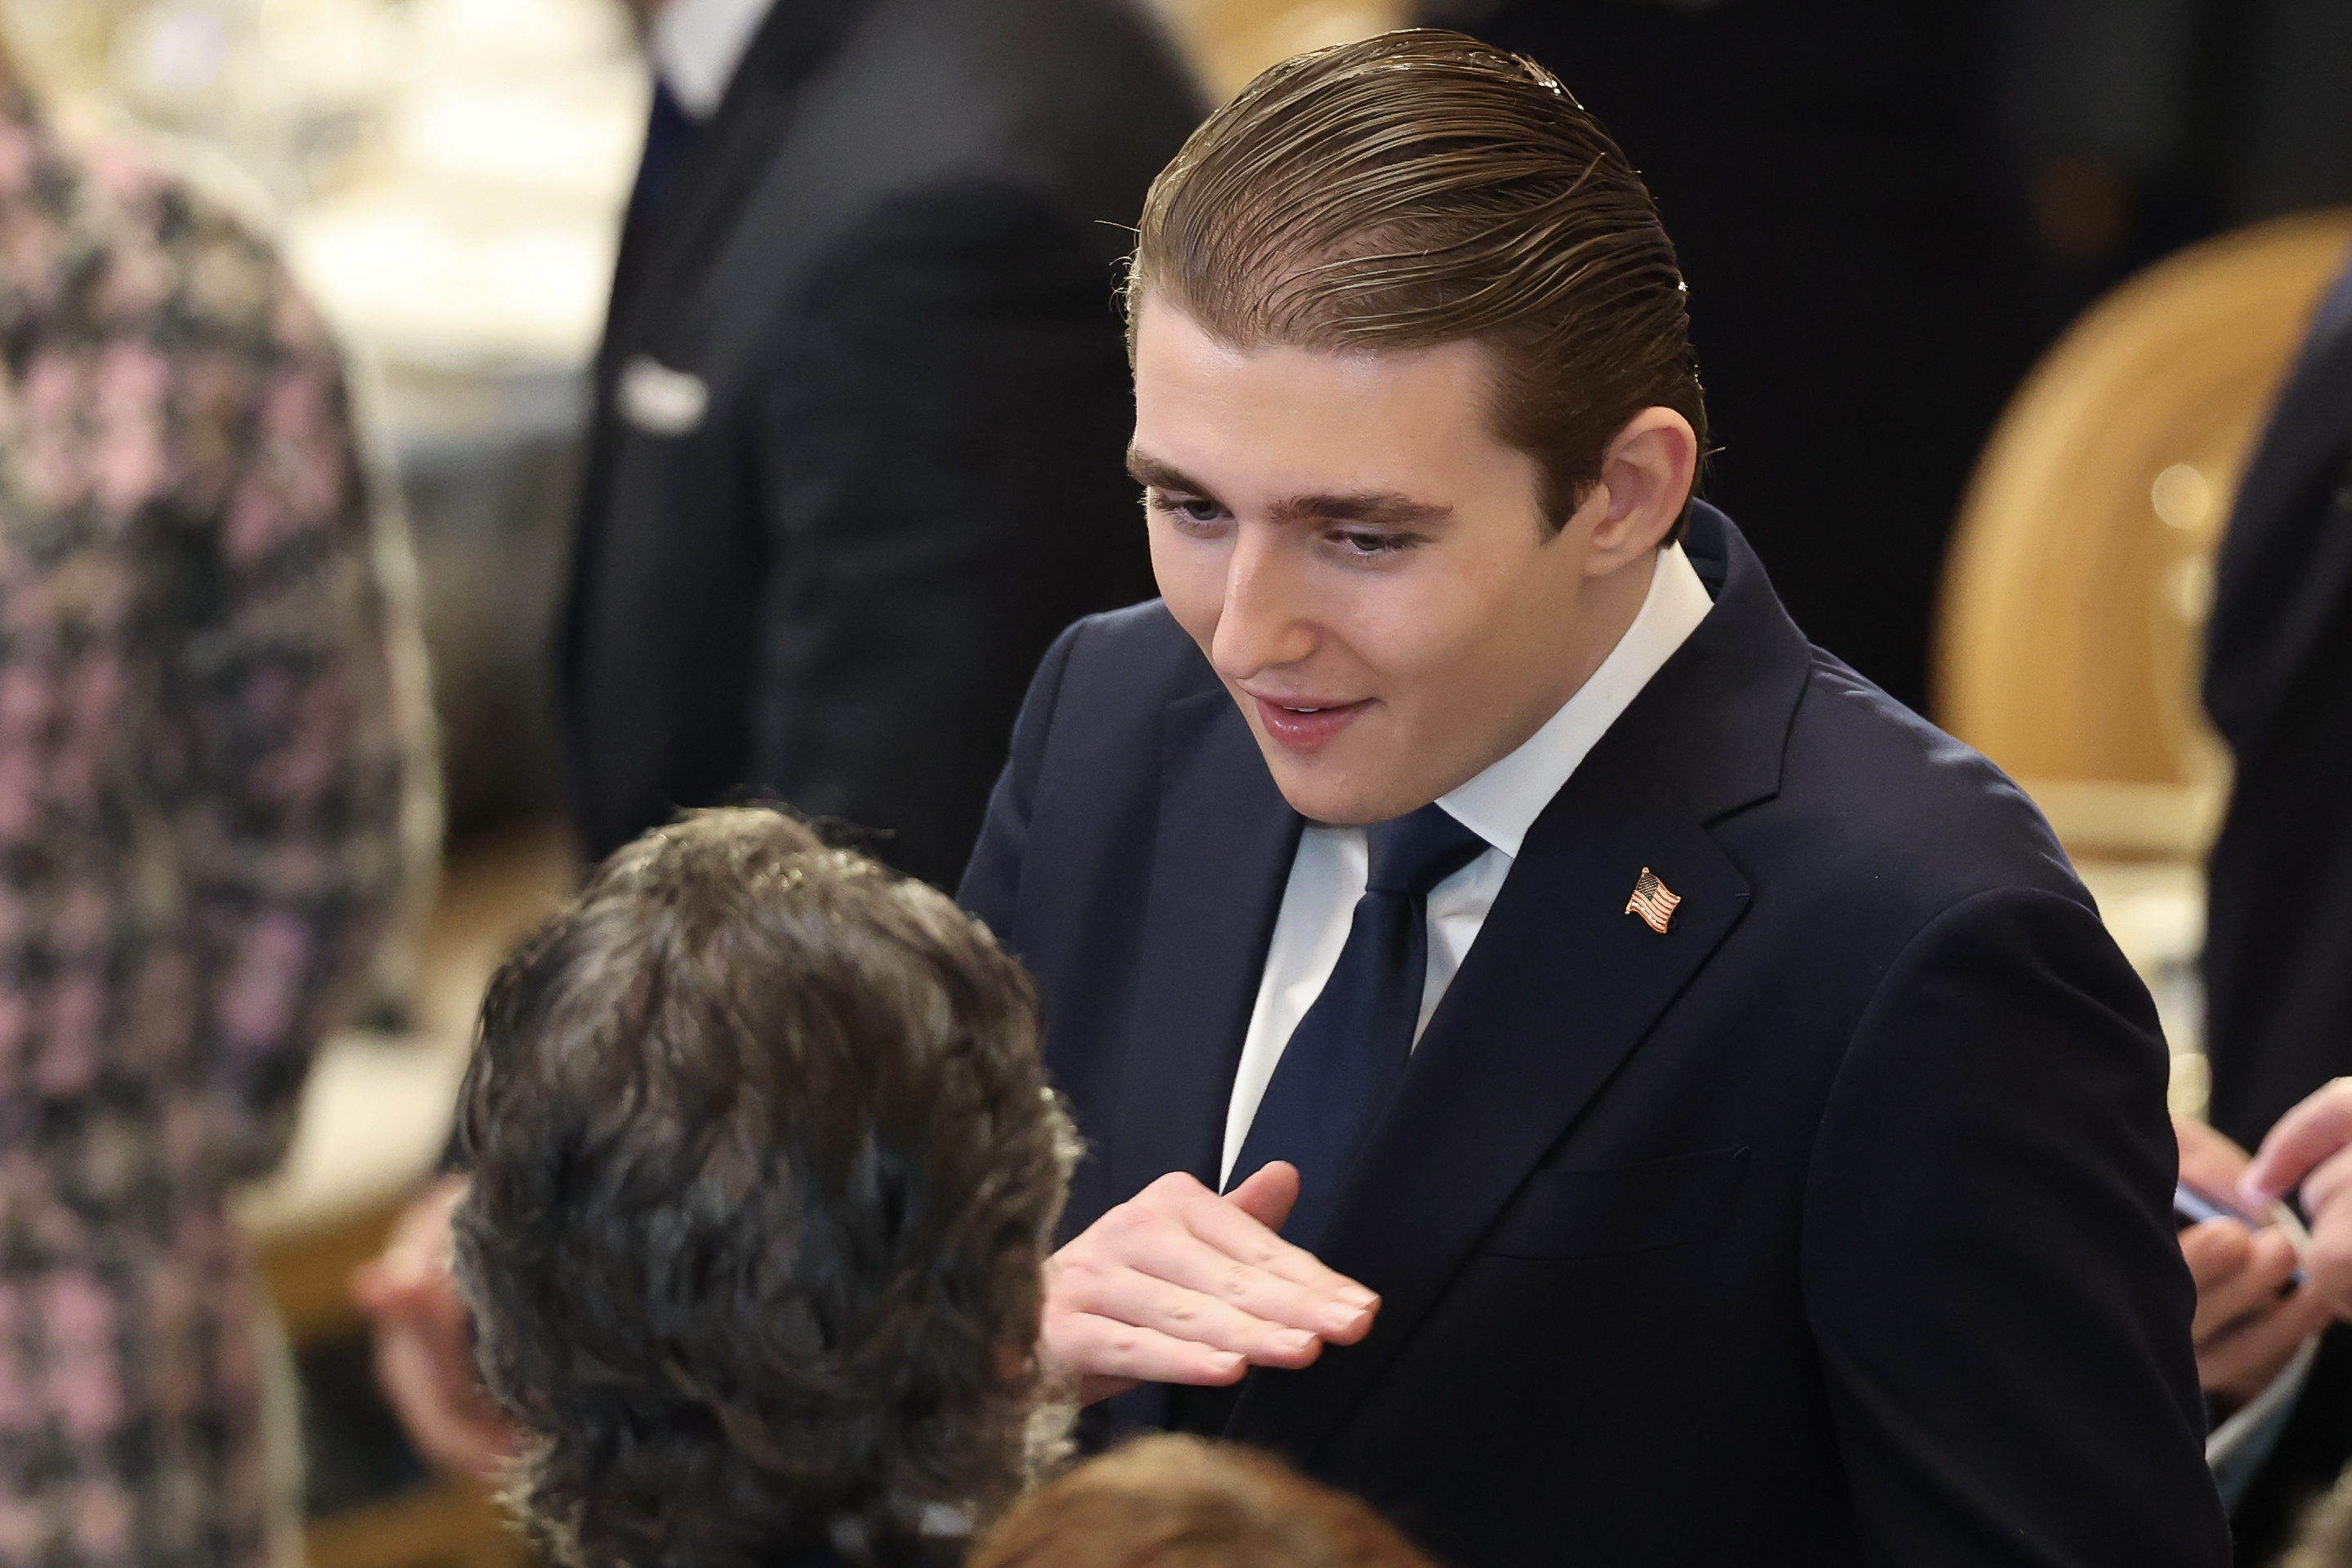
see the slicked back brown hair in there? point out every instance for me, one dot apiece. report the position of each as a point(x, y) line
point(1421, 188)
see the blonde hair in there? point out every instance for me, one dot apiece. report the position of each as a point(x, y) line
point(1169, 1502)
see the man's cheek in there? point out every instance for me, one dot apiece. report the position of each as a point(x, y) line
point(1194, 609)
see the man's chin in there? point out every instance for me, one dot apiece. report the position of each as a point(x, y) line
point(1323, 791)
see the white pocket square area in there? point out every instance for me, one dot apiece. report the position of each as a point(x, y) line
point(659, 401)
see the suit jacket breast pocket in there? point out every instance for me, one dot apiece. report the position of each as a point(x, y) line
point(1628, 1208)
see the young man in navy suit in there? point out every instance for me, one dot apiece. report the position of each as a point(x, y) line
point(1563, 1058)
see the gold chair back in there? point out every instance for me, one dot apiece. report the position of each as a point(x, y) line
point(2069, 647)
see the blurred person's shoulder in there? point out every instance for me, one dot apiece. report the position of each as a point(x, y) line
point(1059, 41)
point(1073, 82)
point(194, 241)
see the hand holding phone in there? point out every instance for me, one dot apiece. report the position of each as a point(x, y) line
point(2194, 1206)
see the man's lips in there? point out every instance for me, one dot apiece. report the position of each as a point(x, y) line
point(1304, 726)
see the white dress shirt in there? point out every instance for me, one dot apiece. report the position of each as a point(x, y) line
point(697, 43)
point(1326, 876)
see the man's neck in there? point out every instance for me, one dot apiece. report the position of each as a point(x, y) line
point(1506, 797)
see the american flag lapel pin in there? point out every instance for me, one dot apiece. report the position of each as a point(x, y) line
point(1654, 902)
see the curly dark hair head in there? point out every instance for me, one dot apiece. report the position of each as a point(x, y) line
point(763, 1169)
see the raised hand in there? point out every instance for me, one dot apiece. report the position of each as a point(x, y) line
point(1180, 1284)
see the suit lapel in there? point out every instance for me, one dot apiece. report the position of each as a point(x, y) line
point(1222, 857)
point(721, 166)
point(1558, 990)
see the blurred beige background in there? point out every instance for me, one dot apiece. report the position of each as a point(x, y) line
point(450, 170)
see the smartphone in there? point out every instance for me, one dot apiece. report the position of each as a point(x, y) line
point(2194, 1206)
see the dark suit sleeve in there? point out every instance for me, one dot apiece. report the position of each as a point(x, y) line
point(1989, 1263)
point(991, 888)
point(942, 468)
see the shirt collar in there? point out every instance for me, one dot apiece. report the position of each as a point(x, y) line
point(697, 43)
point(1502, 803)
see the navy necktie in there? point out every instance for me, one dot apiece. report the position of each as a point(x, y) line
point(668, 132)
point(1345, 1057)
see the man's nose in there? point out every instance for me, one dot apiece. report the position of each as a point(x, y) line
point(1264, 622)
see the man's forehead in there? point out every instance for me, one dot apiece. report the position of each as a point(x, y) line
point(1167, 325)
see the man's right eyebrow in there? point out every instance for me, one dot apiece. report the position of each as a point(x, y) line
point(1146, 470)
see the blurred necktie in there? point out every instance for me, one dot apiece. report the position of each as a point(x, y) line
point(668, 130)
point(1348, 1054)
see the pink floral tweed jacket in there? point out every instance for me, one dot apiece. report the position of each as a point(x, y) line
point(200, 803)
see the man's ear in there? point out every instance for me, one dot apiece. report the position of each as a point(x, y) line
point(1646, 477)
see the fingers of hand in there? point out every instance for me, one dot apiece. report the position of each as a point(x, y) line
point(449, 1418)
point(2329, 1185)
point(1096, 1273)
point(2330, 1260)
point(2304, 1137)
point(2209, 1160)
point(1320, 1298)
point(2239, 1361)
point(1180, 1285)
point(2237, 1276)
point(2216, 1251)
point(1269, 1194)
point(1151, 1301)
point(1111, 1353)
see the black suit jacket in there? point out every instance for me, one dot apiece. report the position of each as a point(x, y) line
point(1829, 1226)
point(2278, 943)
point(2278, 683)
point(888, 263)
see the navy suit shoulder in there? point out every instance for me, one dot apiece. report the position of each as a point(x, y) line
point(1888, 816)
point(1100, 693)
point(1822, 786)
point(1136, 656)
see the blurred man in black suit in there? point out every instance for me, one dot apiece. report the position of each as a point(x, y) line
point(2278, 956)
point(857, 452)
point(860, 404)
point(2278, 683)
